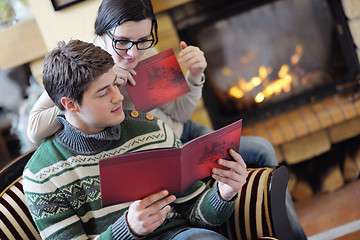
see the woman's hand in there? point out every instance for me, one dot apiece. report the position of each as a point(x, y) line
point(146, 215)
point(193, 59)
point(124, 76)
point(232, 178)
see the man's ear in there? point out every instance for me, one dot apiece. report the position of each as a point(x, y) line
point(69, 104)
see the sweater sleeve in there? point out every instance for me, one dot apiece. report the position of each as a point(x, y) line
point(210, 210)
point(55, 217)
point(121, 230)
point(42, 122)
point(207, 209)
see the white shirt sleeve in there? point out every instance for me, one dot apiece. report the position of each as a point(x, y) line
point(42, 122)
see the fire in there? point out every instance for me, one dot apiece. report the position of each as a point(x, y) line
point(297, 56)
point(282, 84)
point(236, 92)
point(264, 72)
point(226, 71)
point(277, 86)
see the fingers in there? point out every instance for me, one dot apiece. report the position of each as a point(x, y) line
point(124, 76)
point(190, 55)
point(131, 78)
point(183, 45)
point(237, 157)
point(193, 59)
point(233, 175)
point(233, 168)
point(156, 201)
point(146, 215)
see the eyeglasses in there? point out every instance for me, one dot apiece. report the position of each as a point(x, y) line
point(126, 44)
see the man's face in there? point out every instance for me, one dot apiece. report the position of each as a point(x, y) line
point(101, 105)
point(131, 31)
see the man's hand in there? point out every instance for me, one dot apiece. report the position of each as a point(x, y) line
point(232, 178)
point(193, 59)
point(146, 215)
point(124, 76)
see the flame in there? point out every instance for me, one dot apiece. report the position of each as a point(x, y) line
point(264, 71)
point(297, 56)
point(284, 70)
point(256, 81)
point(282, 84)
point(245, 85)
point(236, 92)
point(259, 97)
point(226, 71)
point(250, 55)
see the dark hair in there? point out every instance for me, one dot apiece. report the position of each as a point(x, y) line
point(70, 68)
point(112, 13)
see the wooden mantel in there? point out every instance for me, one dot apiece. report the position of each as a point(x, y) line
point(20, 44)
point(163, 5)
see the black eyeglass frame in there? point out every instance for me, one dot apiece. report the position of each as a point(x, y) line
point(114, 41)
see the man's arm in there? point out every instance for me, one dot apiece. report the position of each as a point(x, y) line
point(66, 207)
point(206, 209)
point(54, 216)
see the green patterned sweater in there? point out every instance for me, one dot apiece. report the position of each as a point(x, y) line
point(62, 187)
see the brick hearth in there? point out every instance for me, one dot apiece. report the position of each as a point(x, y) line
point(310, 130)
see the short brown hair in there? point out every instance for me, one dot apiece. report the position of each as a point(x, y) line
point(70, 68)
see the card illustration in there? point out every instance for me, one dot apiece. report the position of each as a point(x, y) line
point(159, 80)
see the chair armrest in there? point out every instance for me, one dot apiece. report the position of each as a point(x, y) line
point(260, 211)
point(14, 169)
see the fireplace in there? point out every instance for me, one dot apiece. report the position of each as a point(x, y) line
point(268, 57)
point(290, 69)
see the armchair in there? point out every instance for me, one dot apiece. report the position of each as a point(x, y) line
point(259, 212)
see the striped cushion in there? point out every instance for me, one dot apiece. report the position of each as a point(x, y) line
point(15, 219)
point(251, 217)
point(250, 220)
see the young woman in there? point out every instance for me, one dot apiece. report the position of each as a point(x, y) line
point(127, 29)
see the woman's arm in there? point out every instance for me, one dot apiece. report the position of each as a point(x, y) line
point(194, 60)
point(42, 122)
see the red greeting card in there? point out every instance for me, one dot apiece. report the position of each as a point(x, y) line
point(159, 80)
point(133, 176)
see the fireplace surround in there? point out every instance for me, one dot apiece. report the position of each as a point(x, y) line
point(268, 57)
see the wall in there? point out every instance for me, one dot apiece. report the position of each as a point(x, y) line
point(75, 22)
point(352, 12)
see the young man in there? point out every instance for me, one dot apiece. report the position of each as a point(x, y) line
point(61, 180)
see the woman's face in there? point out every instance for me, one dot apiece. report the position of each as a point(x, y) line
point(131, 31)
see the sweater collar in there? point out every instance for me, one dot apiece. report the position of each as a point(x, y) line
point(84, 144)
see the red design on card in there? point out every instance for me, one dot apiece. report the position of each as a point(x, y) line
point(159, 80)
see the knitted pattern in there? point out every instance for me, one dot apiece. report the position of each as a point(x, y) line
point(62, 188)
